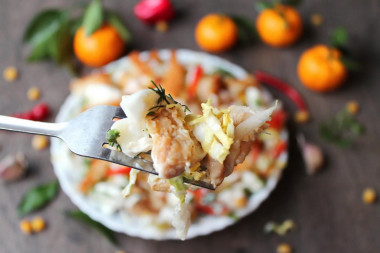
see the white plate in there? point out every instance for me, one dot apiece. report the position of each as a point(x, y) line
point(66, 165)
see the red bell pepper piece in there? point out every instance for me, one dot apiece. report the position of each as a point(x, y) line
point(283, 87)
point(279, 148)
point(198, 72)
point(278, 119)
point(153, 11)
point(119, 171)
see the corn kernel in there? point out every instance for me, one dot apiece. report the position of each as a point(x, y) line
point(352, 107)
point(10, 74)
point(316, 19)
point(40, 142)
point(38, 224)
point(301, 117)
point(162, 26)
point(26, 227)
point(284, 248)
point(369, 196)
point(34, 93)
point(240, 202)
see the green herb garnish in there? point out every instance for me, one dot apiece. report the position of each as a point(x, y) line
point(223, 73)
point(38, 197)
point(233, 216)
point(85, 219)
point(112, 136)
point(341, 129)
point(247, 193)
point(162, 100)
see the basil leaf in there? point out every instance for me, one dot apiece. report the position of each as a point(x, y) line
point(116, 22)
point(93, 17)
point(38, 197)
point(339, 37)
point(85, 219)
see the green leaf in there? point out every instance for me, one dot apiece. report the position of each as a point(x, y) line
point(43, 25)
point(38, 197)
point(85, 219)
point(93, 17)
point(260, 6)
point(291, 2)
point(246, 29)
point(350, 64)
point(116, 22)
point(339, 37)
point(224, 73)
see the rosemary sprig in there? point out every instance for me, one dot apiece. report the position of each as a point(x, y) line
point(163, 98)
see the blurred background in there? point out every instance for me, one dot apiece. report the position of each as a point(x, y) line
point(333, 209)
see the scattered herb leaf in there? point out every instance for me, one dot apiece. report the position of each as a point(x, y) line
point(341, 129)
point(112, 136)
point(85, 219)
point(247, 193)
point(339, 38)
point(38, 197)
point(233, 216)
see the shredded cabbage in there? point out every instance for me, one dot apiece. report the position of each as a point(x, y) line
point(214, 130)
point(132, 180)
point(179, 188)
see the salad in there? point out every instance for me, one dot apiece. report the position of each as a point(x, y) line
point(206, 91)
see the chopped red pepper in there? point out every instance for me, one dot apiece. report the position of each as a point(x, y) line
point(153, 11)
point(198, 72)
point(278, 119)
point(204, 209)
point(285, 88)
point(39, 112)
point(255, 152)
point(119, 171)
point(279, 148)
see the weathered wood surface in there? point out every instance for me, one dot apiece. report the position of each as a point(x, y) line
point(327, 207)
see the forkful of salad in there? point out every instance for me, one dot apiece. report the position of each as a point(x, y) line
point(153, 133)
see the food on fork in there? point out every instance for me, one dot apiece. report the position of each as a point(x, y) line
point(203, 147)
point(152, 200)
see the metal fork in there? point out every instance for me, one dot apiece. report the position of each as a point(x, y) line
point(85, 135)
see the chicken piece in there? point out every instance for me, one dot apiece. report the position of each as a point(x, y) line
point(158, 184)
point(174, 78)
point(97, 172)
point(238, 152)
point(215, 170)
point(174, 149)
point(207, 86)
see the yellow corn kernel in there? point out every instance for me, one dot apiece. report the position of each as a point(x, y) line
point(240, 202)
point(162, 26)
point(38, 224)
point(316, 19)
point(352, 107)
point(10, 74)
point(284, 248)
point(301, 117)
point(369, 195)
point(26, 227)
point(34, 93)
point(40, 142)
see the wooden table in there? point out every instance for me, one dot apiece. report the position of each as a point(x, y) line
point(327, 207)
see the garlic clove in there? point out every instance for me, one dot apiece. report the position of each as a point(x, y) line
point(13, 167)
point(312, 155)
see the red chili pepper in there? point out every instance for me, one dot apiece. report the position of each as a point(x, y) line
point(39, 112)
point(198, 72)
point(152, 11)
point(278, 119)
point(279, 148)
point(285, 88)
point(205, 209)
point(119, 171)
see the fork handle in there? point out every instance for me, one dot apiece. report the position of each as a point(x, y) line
point(30, 127)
